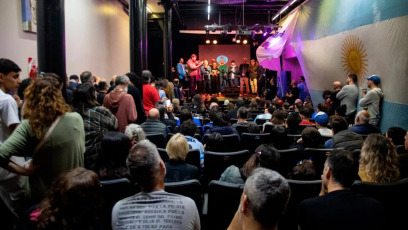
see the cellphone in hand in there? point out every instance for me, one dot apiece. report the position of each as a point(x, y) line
point(167, 103)
point(364, 91)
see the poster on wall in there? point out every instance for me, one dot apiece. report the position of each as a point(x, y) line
point(29, 15)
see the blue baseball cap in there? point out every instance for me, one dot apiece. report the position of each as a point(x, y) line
point(374, 78)
point(321, 118)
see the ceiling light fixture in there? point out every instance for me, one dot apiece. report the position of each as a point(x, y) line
point(215, 42)
point(208, 41)
point(245, 41)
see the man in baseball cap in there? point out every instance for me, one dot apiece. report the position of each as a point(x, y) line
point(374, 78)
point(372, 101)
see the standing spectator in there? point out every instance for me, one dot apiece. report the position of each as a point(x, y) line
point(215, 86)
point(337, 207)
point(378, 160)
point(150, 94)
point(372, 100)
point(176, 168)
point(243, 69)
point(50, 156)
point(348, 96)
point(361, 124)
point(177, 89)
point(121, 104)
point(134, 88)
point(98, 120)
point(303, 91)
point(146, 166)
point(86, 76)
point(102, 91)
point(293, 92)
point(263, 201)
point(334, 102)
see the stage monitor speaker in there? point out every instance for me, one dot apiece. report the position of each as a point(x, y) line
point(231, 91)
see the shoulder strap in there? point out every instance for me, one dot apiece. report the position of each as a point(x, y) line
point(47, 134)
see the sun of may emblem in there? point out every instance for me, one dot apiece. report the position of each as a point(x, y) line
point(353, 56)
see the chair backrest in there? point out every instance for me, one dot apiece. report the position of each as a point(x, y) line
point(217, 162)
point(200, 129)
point(223, 202)
point(163, 154)
point(251, 141)
point(288, 159)
point(112, 192)
point(233, 120)
point(292, 138)
point(393, 197)
point(206, 127)
point(241, 129)
point(230, 143)
point(261, 121)
point(318, 156)
point(158, 139)
point(188, 188)
point(193, 157)
point(401, 149)
point(302, 127)
point(300, 190)
point(268, 128)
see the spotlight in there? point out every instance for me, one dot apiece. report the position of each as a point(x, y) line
point(238, 40)
point(245, 41)
point(215, 42)
point(208, 41)
point(234, 39)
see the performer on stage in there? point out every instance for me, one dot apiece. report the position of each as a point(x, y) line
point(193, 70)
point(243, 69)
point(233, 73)
point(261, 80)
point(253, 76)
point(223, 74)
point(214, 76)
point(181, 69)
point(206, 77)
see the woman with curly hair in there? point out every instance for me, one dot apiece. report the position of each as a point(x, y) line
point(73, 202)
point(50, 134)
point(378, 160)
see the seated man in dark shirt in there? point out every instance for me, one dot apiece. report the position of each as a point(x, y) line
point(361, 124)
point(220, 125)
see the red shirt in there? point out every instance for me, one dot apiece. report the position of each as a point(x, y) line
point(306, 123)
point(150, 97)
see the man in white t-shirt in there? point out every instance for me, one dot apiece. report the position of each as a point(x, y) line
point(10, 183)
point(321, 120)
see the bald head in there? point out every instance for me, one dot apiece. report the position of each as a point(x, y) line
point(154, 114)
point(337, 85)
point(362, 117)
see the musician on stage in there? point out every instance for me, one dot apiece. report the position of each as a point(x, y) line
point(233, 72)
point(182, 74)
point(223, 77)
point(243, 69)
point(214, 76)
point(253, 76)
point(206, 78)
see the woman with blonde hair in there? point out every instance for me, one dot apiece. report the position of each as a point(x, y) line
point(50, 134)
point(378, 160)
point(177, 169)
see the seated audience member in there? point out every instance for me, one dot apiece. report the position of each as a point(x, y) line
point(311, 138)
point(337, 207)
point(263, 201)
point(166, 115)
point(321, 120)
point(342, 137)
point(188, 129)
point(177, 89)
point(321, 107)
point(253, 107)
point(176, 168)
point(111, 162)
point(292, 123)
point(403, 160)
point(242, 115)
point(378, 160)
point(213, 105)
point(121, 104)
point(186, 114)
point(134, 88)
point(238, 104)
point(176, 106)
point(220, 125)
point(197, 105)
point(278, 118)
point(73, 202)
point(214, 142)
point(254, 128)
point(147, 168)
point(304, 170)
point(305, 116)
point(135, 133)
point(361, 124)
point(279, 137)
point(98, 120)
point(267, 115)
point(265, 156)
point(229, 107)
point(160, 88)
point(396, 135)
point(153, 125)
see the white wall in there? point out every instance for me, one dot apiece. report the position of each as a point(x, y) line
point(96, 35)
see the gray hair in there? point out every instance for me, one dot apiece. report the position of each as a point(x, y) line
point(135, 131)
point(363, 117)
point(143, 163)
point(268, 193)
point(120, 80)
point(146, 76)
